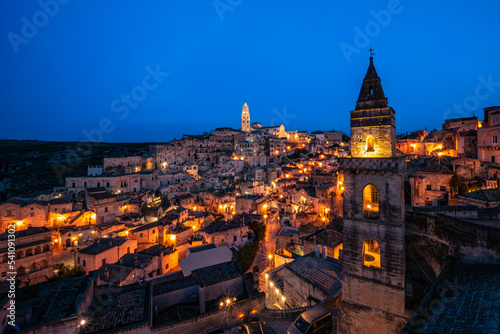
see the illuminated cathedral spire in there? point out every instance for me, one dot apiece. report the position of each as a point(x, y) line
point(245, 118)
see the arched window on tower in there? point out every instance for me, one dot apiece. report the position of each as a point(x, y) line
point(370, 202)
point(370, 146)
point(371, 254)
point(371, 90)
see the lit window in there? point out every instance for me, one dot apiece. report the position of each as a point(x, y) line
point(371, 254)
point(370, 144)
point(370, 202)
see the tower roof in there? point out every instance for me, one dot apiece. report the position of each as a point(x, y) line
point(371, 94)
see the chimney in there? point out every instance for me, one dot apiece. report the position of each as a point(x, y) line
point(106, 273)
point(318, 251)
point(325, 252)
point(135, 261)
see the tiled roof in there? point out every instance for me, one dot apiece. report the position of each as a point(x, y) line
point(51, 301)
point(134, 260)
point(24, 233)
point(208, 276)
point(102, 245)
point(157, 250)
point(487, 195)
point(115, 307)
point(145, 227)
point(326, 237)
point(115, 273)
point(323, 274)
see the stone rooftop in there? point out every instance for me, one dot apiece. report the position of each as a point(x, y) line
point(102, 245)
point(466, 300)
point(323, 274)
point(209, 275)
point(49, 301)
point(488, 195)
point(115, 307)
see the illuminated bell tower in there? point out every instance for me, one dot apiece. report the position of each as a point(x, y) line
point(373, 127)
point(371, 182)
point(245, 118)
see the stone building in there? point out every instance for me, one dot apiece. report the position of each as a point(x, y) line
point(488, 136)
point(431, 186)
point(33, 255)
point(105, 250)
point(373, 267)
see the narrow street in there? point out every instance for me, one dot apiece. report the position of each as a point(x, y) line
point(268, 245)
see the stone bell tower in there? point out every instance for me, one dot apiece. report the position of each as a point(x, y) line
point(373, 127)
point(245, 118)
point(371, 182)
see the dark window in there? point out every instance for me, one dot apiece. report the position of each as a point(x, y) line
point(235, 238)
point(107, 184)
point(106, 209)
point(103, 261)
point(32, 214)
point(495, 139)
point(140, 235)
point(442, 188)
point(429, 187)
point(84, 263)
point(78, 260)
point(73, 184)
point(85, 184)
point(55, 209)
point(154, 231)
point(492, 159)
point(166, 266)
point(128, 250)
point(98, 184)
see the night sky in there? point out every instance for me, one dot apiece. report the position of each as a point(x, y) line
point(84, 71)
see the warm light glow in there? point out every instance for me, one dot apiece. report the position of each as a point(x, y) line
point(80, 235)
point(194, 208)
point(265, 216)
point(340, 182)
point(266, 275)
point(440, 153)
point(228, 301)
point(92, 232)
point(82, 322)
point(19, 223)
point(277, 291)
point(265, 206)
point(369, 206)
point(271, 284)
point(276, 152)
point(221, 304)
point(323, 218)
point(270, 256)
point(172, 237)
point(126, 232)
point(92, 216)
point(283, 298)
point(342, 188)
point(440, 146)
point(60, 218)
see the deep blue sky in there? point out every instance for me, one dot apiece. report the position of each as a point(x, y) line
point(279, 55)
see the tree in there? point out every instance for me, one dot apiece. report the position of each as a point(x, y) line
point(455, 183)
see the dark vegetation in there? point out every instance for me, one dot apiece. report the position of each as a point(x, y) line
point(247, 253)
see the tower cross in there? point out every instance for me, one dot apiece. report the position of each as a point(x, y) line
point(371, 52)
